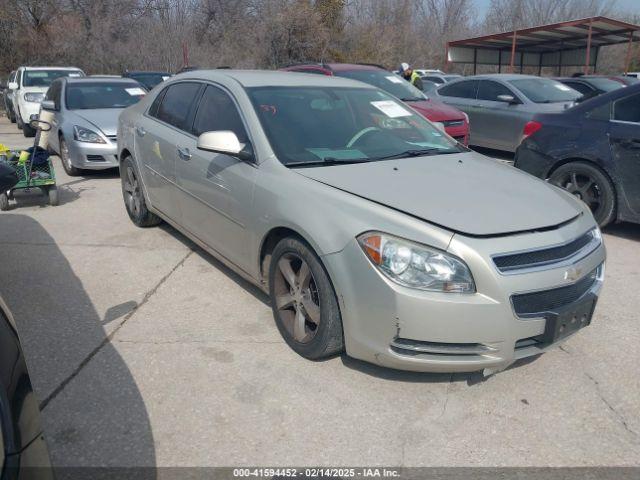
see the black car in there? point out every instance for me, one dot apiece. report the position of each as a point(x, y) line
point(23, 451)
point(591, 85)
point(147, 79)
point(593, 151)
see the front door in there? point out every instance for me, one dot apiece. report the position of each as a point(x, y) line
point(498, 124)
point(624, 136)
point(216, 190)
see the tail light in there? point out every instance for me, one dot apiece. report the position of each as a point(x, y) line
point(530, 128)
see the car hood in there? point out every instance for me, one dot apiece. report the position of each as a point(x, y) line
point(105, 119)
point(465, 193)
point(436, 111)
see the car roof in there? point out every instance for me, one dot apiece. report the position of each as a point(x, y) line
point(146, 72)
point(268, 78)
point(501, 76)
point(50, 68)
point(97, 80)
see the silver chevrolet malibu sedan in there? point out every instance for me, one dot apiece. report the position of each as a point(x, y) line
point(372, 230)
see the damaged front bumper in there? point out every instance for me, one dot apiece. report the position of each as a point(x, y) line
point(398, 327)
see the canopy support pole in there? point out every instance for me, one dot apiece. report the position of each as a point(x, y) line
point(628, 58)
point(475, 61)
point(588, 59)
point(513, 51)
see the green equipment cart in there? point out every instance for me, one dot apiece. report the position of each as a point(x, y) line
point(35, 172)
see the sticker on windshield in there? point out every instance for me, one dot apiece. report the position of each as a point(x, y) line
point(134, 92)
point(562, 87)
point(391, 109)
point(74, 75)
point(394, 79)
point(164, 77)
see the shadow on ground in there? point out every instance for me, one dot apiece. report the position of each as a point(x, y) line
point(630, 231)
point(93, 412)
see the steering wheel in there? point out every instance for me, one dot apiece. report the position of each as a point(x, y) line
point(358, 136)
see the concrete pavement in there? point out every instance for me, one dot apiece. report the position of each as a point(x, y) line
point(146, 351)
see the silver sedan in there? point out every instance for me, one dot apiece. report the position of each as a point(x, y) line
point(372, 230)
point(499, 106)
point(85, 120)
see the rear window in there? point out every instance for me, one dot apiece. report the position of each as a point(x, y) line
point(177, 104)
point(627, 109)
point(94, 95)
point(545, 90)
point(43, 78)
point(463, 89)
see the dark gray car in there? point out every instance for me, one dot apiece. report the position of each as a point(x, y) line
point(500, 105)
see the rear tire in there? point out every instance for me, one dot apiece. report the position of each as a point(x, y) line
point(305, 306)
point(591, 185)
point(133, 195)
point(4, 202)
point(54, 199)
point(18, 120)
point(65, 157)
point(11, 115)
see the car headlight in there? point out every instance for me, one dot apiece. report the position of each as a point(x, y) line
point(596, 234)
point(466, 117)
point(417, 266)
point(33, 97)
point(82, 134)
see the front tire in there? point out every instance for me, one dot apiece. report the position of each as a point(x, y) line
point(65, 156)
point(4, 202)
point(54, 199)
point(133, 194)
point(591, 185)
point(304, 303)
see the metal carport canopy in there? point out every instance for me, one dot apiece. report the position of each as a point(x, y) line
point(572, 43)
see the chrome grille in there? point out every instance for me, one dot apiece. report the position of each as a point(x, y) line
point(406, 346)
point(547, 256)
point(537, 303)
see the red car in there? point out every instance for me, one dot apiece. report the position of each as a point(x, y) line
point(455, 122)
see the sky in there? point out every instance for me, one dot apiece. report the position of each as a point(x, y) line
point(629, 5)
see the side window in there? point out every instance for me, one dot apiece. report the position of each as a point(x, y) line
point(603, 112)
point(217, 111)
point(177, 103)
point(627, 109)
point(489, 90)
point(579, 87)
point(464, 89)
point(153, 110)
point(437, 80)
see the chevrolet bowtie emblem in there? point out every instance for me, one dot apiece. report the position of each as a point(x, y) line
point(573, 274)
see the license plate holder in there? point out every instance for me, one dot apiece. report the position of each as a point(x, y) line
point(567, 320)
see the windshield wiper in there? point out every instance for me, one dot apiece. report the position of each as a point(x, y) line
point(412, 99)
point(329, 161)
point(416, 153)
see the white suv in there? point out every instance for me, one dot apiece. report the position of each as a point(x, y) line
point(28, 90)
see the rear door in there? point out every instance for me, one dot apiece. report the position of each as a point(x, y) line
point(497, 124)
point(157, 133)
point(216, 190)
point(625, 147)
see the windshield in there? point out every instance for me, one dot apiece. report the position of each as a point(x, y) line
point(43, 78)
point(605, 84)
point(387, 81)
point(90, 95)
point(316, 124)
point(149, 80)
point(545, 90)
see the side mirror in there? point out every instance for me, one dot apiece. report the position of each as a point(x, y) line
point(13, 86)
point(510, 99)
point(48, 105)
point(225, 142)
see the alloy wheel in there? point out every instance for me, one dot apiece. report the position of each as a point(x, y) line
point(64, 153)
point(132, 193)
point(584, 187)
point(297, 299)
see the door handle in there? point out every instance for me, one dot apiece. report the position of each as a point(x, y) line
point(141, 131)
point(184, 153)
